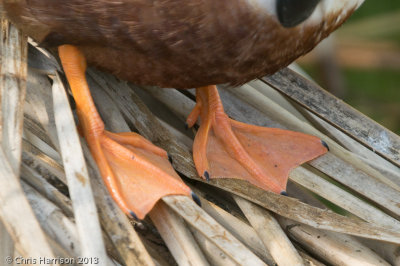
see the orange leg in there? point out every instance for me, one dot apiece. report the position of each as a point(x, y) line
point(192, 117)
point(224, 148)
point(136, 173)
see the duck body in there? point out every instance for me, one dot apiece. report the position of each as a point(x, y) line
point(183, 44)
point(174, 43)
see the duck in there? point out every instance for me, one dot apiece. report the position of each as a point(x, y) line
point(183, 44)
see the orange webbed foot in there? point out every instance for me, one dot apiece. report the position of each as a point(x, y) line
point(136, 173)
point(225, 148)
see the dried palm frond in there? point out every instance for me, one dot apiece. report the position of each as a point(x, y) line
point(238, 223)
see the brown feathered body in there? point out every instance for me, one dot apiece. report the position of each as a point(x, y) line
point(171, 43)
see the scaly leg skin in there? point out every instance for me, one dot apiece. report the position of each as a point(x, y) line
point(136, 173)
point(225, 148)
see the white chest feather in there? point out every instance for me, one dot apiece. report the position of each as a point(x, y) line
point(324, 9)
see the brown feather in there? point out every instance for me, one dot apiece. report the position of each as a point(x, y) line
point(170, 43)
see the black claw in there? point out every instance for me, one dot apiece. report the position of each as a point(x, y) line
point(196, 198)
point(133, 215)
point(325, 144)
point(186, 126)
point(207, 176)
point(284, 193)
point(170, 159)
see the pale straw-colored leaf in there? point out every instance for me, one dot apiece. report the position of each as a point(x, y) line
point(214, 232)
point(241, 230)
point(177, 236)
point(85, 211)
point(214, 255)
point(334, 248)
point(271, 233)
point(25, 234)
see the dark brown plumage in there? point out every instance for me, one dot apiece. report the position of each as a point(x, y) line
point(182, 44)
point(171, 43)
